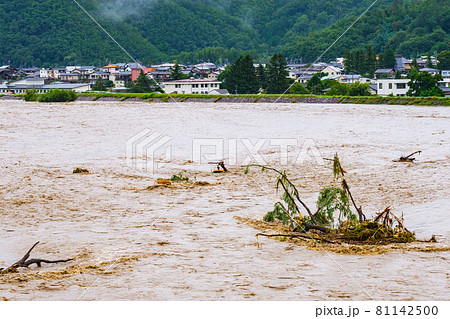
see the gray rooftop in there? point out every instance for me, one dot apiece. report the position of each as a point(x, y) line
point(384, 71)
point(429, 70)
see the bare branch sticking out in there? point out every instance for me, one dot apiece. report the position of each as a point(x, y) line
point(25, 262)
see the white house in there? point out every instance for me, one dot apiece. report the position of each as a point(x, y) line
point(191, 86)
point(118, 82)
point(52, 73)
point(82, 69)
point(302, 78)
point(396, 87)
point(445, 73)
point(213, 76)
point(444, 84)
point(332, 71)
point(43, 73)
point(294, 74)
point(110, 68)
point(94, 76)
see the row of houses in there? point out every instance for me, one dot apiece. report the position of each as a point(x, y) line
point(40, 85)
point(119, 74)
point(203, 77)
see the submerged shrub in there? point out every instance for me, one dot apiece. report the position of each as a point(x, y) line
point(31, 96)
point(58, 96)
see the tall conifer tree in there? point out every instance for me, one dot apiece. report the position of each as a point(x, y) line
point(277, 81)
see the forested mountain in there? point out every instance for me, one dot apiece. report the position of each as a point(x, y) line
point(407, 27)
point(58, 32)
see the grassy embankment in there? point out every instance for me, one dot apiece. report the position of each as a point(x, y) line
point(154, 97)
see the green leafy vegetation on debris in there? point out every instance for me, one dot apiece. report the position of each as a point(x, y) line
point(179, 178)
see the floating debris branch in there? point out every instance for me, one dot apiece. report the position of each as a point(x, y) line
point(26, 262)
point(408, 158)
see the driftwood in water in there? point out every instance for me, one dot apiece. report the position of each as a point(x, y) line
point(79, 170)
point(408, 158)
point(25, 261)
point(297, 235)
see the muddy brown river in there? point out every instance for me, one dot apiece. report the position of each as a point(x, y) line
point(133, 241)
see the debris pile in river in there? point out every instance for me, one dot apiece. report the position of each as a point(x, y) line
point(80, 170)
point(335, 201)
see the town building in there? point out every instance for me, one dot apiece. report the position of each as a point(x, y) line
point(353, 78)
point(430, 70)
point(384, 73)
point(7, 72)
point(52, 73)
point(445, 73)
point(304, 78)
point(70, 77)
point(98, 75)
point(191, 86)
point(110, 68)
point(332, 71)
point(395, 87)
point(444, 85)
point(135, 72)
point(40, 86)
point(401, 63)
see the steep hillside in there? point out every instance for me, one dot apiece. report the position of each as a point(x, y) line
point(407, 27)
point(176, 26)
point(58, 32)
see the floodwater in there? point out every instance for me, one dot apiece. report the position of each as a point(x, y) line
point(131, 242)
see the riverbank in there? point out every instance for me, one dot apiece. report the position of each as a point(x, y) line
point(289, 98)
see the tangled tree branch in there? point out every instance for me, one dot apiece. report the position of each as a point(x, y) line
point(338, 170)
point(384, 228)
point(285, 183)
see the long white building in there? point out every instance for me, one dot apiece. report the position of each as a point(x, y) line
point(191, 86)
point(38, 84)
